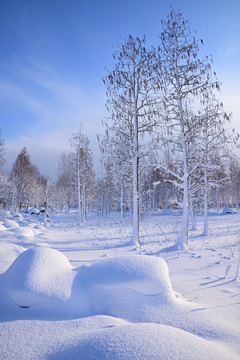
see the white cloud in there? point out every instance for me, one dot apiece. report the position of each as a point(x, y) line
point(56, 108)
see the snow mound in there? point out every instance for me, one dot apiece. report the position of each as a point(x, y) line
point(6, 214)
point(30, 222)
point(127, 268)
point(17, 214)
point(8, 253)
point(9, 224)
point(228, 210)
point(121, 286)
point(33, 211)
point(39, 274)
point(143, 341)
point(2, 227)
point(23, 231)
point(39, 227)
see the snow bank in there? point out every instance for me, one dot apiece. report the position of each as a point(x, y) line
point(17, 214)
point(9, 224)
point(33, 211)
point(8, 253)
point(119, 286)
point(39, 274)
point(127, 268)
point(2, 227)
point(103, 337)
point(39, 339)
point(23, 232)
point(141, 342)
point(136, 288)
point(5, 214)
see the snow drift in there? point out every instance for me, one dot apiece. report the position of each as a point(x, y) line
point(115, 286)
point(10, 224)
point(121, 286)
point(39, 274)
point(141, 342)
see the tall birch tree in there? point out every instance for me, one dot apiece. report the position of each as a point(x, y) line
point(66, 180)
point(184, 77)
point(85, 176)
point(212, 139)
point(3, 177)
point(131, 101)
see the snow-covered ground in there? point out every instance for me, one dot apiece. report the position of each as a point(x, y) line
point(84, 293)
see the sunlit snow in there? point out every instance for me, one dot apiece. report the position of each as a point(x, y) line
point(70, 292)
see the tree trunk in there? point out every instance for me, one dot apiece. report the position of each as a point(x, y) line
point(205, 205)
point(183, 239)
point(217, 200)
point(79, 190)
point(205, 229)
point(193, 220)
point(135, 162)
point(237, 200)
point(122, 202)
point(135, 235)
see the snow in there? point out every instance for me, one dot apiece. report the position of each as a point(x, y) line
point(38, 274)
point(17, 214)
point(8, 253)
point(85, 293)
point(23, 231)
point(33, 211)
point(8, 223)
point(142, 341)
point(6, 214)
point(228, 210)
point(2, 227)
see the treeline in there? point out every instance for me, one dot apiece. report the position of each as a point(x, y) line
point(165, 145)
point(24, 186)
point(77, 186)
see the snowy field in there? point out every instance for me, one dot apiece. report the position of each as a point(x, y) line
point(83, 293)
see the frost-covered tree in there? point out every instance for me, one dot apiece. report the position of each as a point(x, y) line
point(84, 174)
point(184, 76)
point(116, 149)
point(234, 173)
point(4, 183)
point(66, 181)
point(107, 183)
point(131, 101)
point(213, 138)
point(2, 157)
point(24, 177)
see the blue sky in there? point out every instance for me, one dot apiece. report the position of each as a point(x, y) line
point(54, 54)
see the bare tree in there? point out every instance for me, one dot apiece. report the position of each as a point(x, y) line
point(85, 177)
point(24, 177)
point(212, 139)
point(131, 101)
point(4, 182)
point(66, 182)
point(234, 172)
point(184, 76)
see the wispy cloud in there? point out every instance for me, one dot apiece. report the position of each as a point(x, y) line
point(56, 107)
point(54, 100)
